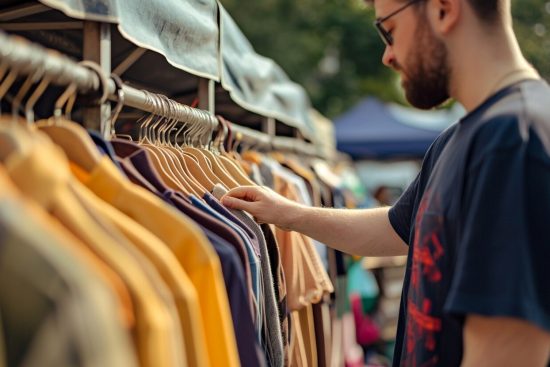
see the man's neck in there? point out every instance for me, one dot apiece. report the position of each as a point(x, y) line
point(486, 67)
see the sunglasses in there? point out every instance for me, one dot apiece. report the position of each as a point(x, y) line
point(384, 34)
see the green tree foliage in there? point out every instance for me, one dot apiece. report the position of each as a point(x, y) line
point(331, 48)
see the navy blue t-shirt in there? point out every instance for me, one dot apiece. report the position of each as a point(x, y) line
point(476, 219)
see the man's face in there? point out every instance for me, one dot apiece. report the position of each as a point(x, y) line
point(416, 54)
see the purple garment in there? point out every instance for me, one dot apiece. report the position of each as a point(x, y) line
point(218, 207)
point(237, 294)
point(139, 158)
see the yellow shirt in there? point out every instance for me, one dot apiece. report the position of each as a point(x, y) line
point(190, 247)
point(185, 294)
point(108, 215)
point(42, 174)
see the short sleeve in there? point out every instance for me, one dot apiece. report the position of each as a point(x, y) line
point(400, 214)
point(503, 250)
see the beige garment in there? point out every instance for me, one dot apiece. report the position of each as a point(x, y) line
point(42, 173)
point(184, 292)
point(304, 284)
point(60, 307)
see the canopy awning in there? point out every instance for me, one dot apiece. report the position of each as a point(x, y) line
point(370, 130)
point(181, 41)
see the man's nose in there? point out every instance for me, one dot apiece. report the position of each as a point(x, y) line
point(388, 57)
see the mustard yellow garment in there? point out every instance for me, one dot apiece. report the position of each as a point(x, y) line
point(71, 243)
point(159, 286)
point(42, 173)
point(186, 297)
point(190, 246)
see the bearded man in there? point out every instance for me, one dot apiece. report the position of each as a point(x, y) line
point(474, 222)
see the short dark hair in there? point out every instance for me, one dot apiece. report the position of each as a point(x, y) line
point(488, 10)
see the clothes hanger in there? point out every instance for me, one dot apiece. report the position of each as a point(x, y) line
point(118, 107)
point(158, 159)
point(236, 171)
point(203, 162)
point(71, 137)
point(217, 167)
point(193, 167)
point(179, 169)
point(12, 137)
point(177, 153)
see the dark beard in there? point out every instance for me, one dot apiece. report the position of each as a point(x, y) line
point(427, 83)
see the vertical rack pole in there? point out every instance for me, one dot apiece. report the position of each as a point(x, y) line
point(269, 128)
point(207, 95)
point(97, 48)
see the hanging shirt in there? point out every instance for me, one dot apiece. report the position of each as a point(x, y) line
point(254, 262)
point(56, 309)
point(185, 295)
point(42, 173)
point(272, 328)
point(187, 242)
point(476, 221)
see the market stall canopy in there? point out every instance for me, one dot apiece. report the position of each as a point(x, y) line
point(257, 83)
point(184, 31)
point(371, 131)
point(166, 46)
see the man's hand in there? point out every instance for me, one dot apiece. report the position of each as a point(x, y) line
point(500, 341)
point(365, 232)
point(264, 204)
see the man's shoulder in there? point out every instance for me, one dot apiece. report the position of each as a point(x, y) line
point(521, 115)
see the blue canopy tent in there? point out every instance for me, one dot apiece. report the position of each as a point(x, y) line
point(371, 131)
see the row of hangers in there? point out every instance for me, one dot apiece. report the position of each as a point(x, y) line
point(184, 154)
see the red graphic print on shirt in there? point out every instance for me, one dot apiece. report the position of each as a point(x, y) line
point(423, 326)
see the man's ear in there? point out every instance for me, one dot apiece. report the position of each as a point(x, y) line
point(444, 14)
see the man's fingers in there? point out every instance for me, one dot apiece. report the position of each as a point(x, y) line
point(234, 203)
point(244, 192)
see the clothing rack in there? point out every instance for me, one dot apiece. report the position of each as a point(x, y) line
point(31, 59)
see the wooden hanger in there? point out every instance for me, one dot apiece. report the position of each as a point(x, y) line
point(179, 167)
point(189, 164)
point(204, 162)
point(159, 159)
point(71, 137)
point(234, 170)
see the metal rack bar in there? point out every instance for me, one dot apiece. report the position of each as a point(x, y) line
point(27, 58)
point(20, 11)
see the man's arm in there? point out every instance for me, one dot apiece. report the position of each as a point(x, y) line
point(501, 342)
point(365, 232)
